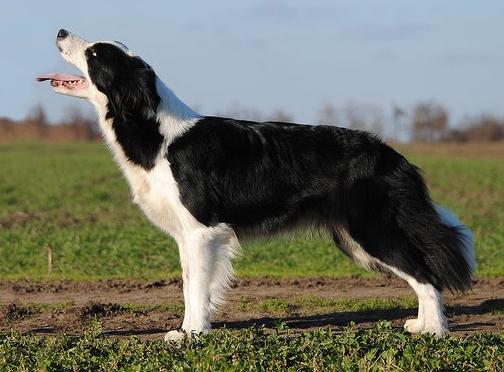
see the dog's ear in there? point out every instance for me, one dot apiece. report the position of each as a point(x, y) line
point(135, 92)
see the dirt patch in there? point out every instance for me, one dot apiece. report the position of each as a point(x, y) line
point(62, 220)
point(148, 309)
point(14, 312)
point(17, 219)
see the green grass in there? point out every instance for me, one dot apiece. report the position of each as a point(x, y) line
point(382, 348)
point(73, 198)
point(314, 304)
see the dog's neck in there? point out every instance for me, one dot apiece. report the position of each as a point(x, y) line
point(171, 119)
point(174, 116)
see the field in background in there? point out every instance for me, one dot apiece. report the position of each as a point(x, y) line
point(110, 275)
point(72, 198)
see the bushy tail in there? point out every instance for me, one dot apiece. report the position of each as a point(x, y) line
point(449, 253)
point(443, 247)
point(449, 219)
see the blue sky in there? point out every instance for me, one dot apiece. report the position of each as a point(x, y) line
point(266, 54)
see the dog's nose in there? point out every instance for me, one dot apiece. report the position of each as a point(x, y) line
point(62, 34)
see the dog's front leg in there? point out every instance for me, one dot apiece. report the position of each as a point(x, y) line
point(199, 274)
point(197, 265)
point(179, 335)
point(184, 262)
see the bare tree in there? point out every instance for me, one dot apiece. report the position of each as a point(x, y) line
point(430, 122)
point(354, 116)
point(485, 129)
point(38, 118)
point(242, 113)
point(399, 116)
point(38, 115)
point(364, 117)
point(282, 116)
point(328, 115)
point(81, 123)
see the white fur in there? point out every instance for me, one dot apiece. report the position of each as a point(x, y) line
point(205, 252)
point(354, 250)
point(175, 116)
point(431, 318)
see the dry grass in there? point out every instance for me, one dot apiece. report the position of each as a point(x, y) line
point(483, 150)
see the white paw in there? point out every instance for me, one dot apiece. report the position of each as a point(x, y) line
point(436, 329)
point(414, 325)
point(175, 336)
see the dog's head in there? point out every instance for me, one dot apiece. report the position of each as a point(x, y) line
point(112, 76)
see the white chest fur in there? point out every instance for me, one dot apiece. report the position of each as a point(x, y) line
point(155, 190)
point(157, 194)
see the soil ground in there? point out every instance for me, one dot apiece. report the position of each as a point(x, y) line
point(149, 309)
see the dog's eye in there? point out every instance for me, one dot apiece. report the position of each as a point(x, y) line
point(91, 52)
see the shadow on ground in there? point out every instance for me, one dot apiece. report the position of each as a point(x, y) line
point(343, 318)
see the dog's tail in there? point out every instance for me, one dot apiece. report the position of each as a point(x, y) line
point(466, 240)
point(447, 247)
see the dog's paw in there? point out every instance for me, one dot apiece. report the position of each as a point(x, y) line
point(419, 326)
point(414, 325)
point(175, 336)
point(436, 329)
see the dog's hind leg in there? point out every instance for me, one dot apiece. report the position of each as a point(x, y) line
point(223, 246)
point(431, 318)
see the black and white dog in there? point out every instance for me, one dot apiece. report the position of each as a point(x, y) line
point(208, 181)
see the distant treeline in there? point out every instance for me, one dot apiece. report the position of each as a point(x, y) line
point(426, 122)
point(36, 126)
point(430, 123)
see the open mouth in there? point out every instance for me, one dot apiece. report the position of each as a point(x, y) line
point(71, 82)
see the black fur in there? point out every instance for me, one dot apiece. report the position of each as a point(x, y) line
point(130, 86)
point(266, 177)
point(262, 178)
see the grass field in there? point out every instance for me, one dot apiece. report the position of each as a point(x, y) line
point(380, 348)
point(72, 198)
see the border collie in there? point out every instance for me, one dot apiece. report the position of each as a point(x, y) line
point(208, 181)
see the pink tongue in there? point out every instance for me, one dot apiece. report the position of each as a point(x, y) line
point(58, 76)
